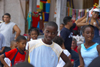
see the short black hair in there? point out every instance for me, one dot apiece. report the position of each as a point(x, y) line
point(67, 19)
point(62, 24)
point(58, 40)
point(84, 27)
point(33, 29)
point(7, 14)
point(20, 37)
point(51, 23)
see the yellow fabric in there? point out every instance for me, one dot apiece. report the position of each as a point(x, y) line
point(28, 59)
point(48, 1)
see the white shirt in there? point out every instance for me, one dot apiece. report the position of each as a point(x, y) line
point(7, 31)
point(7, 60)
point(2, 41)
point(61, 63)
point(27, 44)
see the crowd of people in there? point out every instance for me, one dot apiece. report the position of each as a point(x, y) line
point(54, 49)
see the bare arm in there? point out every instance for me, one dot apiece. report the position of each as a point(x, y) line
point(26, 57)
point(80, 57)
point(2, 60)
point(98, 48)
point(66, 60)
point(27, 53)
point(1, 51)
point(17, 30)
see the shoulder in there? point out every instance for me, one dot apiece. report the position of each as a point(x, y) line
point(64, 30)
point(12, 23)
point(98, 47)
point(58, 50)
point(34, 42)
point(14, 50)
point(57, 47)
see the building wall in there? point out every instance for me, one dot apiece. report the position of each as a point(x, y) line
point(13, 7)
point(78, 4)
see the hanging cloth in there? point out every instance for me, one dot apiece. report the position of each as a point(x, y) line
point(29, 19)
point(35, 19)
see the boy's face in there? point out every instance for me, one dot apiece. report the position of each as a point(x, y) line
point(21, 45)
point(49, 33)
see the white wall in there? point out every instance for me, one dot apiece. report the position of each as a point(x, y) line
point(78, 4)
point(13, 7)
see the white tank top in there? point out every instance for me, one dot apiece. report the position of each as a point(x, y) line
point(7, 31)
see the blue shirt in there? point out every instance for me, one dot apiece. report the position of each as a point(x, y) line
point(89, 54)
point(2, 41)
point(43, 55)
point(67, 34)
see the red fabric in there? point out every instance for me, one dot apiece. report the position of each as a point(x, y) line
point(75, 51)
point(15, 57)
point(35, 19)
point(76, 28)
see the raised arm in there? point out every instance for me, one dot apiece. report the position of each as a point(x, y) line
point(81, 23)
point(66, 60)
point(80, 57)
point(17, 30)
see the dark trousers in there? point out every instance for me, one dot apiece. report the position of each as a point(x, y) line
point(75, 56)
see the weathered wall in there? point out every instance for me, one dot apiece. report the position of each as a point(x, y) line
point(78, 4)
point(13, 7)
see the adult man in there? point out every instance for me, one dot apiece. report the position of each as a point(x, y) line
point(10, 30)
point(66, 33)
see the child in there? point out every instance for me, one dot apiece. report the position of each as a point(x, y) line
point(12, 46)
point(16, 55)
point(89, 50)
point(74, 45)
point(34, 33)
point(60, 42)
point(44, 52)
point(2, 45)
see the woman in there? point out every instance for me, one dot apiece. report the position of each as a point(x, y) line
point(92, 21)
